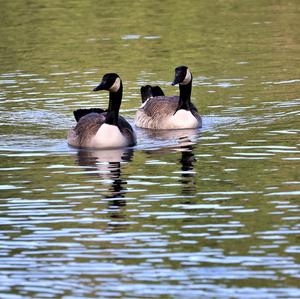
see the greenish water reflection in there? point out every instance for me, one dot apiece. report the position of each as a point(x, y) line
point(212, 213)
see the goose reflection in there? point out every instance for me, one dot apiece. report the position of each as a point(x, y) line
point(187, 179)
point(108, 164)
point(178, 141)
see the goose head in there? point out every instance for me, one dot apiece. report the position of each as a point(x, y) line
point(183, 76)
point(110, 82)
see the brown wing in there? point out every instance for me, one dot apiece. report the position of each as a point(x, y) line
point(163, 106)
point(88, 126)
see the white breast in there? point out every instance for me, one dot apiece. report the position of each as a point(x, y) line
point(182, 119)
point(108, 136)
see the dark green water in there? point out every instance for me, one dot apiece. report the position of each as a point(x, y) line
point(211, 213)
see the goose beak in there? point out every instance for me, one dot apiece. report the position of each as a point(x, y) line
point(101, 86)
point(177, 78)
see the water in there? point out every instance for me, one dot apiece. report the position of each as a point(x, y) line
point(209, 213)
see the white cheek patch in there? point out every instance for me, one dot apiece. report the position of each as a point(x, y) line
point(115, 87)
point(188, 78)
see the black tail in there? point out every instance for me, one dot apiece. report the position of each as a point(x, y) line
point(82, 112)
point(146, 92)
point(157, 91)
point(150, 91)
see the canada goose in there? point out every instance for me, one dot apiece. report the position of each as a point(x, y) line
point(101, 129)
point(169, 112)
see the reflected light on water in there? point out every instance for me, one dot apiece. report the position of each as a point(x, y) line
point(208, 213)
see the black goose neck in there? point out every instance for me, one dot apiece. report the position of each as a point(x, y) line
point(185, 96)
point(115, 99)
